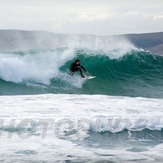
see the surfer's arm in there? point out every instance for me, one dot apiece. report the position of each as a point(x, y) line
point(71, 67)
point(83, 68)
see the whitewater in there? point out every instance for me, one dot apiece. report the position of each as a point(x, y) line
point(46, 115)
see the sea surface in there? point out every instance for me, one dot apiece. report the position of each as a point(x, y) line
point(46, 115)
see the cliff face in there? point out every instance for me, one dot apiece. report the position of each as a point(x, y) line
point(149, 41)
point(17, 40)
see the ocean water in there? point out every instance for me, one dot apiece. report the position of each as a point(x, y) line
point(46, 115)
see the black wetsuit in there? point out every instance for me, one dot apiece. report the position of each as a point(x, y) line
point(77, 67)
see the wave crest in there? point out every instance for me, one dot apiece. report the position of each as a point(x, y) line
point(137, 73)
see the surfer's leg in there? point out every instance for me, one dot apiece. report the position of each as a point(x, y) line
point(80, 70)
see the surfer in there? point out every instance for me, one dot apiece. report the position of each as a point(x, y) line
point(76, 66)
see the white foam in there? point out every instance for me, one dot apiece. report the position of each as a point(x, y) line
point(102, 113)
point(92, 110)
point(37, 67)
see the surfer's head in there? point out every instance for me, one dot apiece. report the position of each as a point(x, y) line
point(77, 61)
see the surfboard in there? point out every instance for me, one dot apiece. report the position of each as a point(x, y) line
point(89, 77)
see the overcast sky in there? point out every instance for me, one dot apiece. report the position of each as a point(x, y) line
point(100, 17)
